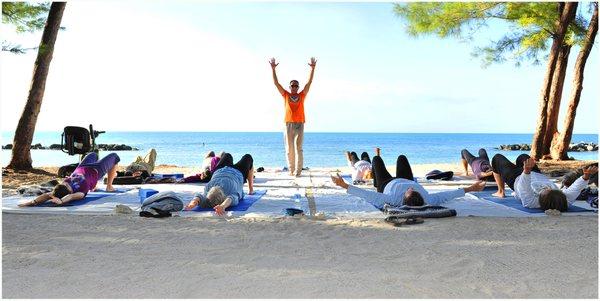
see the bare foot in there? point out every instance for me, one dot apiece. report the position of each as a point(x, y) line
point(499, 194)
point(26, 204)
point(251, 192)
point(110, 188)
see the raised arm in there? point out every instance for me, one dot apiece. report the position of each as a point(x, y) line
point(275, 81)
point(312, 64)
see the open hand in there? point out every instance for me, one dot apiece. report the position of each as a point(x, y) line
point(337, 180)
point(219, 210)
point(588, 171)
point(313, 62)
point(273, 63)
point(193, 203)
point(56, 201)
point(528, 165)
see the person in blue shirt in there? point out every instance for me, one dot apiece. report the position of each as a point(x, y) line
point(402, 189)
point(225, 188)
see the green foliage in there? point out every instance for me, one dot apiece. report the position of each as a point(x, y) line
point(531, 26)
point(25, 17)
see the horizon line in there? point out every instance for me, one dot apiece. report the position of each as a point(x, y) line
point(317, 132)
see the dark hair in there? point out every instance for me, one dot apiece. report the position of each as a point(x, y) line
point(413, 198)
point(570, 177)
point(60, 190)
point(207, 174)
point(553, 199)
point(293, 80)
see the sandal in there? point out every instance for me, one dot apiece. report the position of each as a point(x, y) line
point(397, 221)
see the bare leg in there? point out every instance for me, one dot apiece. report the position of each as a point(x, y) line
point(500, 183)
point(251, 181)
point(465, 165)
point(112, 173)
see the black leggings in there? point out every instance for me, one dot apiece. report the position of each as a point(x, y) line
point(381, 176)
point(465, 154)
point(244, 165)
point(364, 156)
point(509, 171)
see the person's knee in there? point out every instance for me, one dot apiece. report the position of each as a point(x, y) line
point(116, 159)
point(496, 162)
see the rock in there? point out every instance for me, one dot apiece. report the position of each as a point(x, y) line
point(37, 146)
point(573, 147)
point(8, 146)
point(115, 147)
point(552, 212)
point(123, 209)
point(54, 146)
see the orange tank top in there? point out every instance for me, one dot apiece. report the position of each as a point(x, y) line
point(294, 108)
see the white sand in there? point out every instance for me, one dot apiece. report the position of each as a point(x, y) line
point(69, 256)
point(94, 256)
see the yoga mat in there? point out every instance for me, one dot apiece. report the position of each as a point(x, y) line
point(512, 202)
point(243, 205)
point(167, 175)
point(90, 197)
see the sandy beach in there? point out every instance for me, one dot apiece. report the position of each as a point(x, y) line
point(124, 256)
point(47, 256)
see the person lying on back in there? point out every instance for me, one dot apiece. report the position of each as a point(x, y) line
point(361, 169)
point(534, 189)
point(225, 188)
point(83, 179)
point(402, 189)
point(482, 169)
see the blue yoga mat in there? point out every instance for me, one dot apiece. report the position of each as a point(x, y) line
point(90, 197)
point(243, 205)
point(512, 202)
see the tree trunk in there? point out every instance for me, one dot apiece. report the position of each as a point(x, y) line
point(21, 154)
point(556, 89)
point(560, 145)
point(566, 16)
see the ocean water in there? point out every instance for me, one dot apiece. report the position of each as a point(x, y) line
point(320, 149)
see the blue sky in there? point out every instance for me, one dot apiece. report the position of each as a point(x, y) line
point(196, 66)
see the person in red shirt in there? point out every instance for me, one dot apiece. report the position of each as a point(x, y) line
point(294, 117)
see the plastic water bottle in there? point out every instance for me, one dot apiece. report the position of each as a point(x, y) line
point(297, 203)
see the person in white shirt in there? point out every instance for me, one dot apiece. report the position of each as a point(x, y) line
point(361, 169)
point(402, 189)
point(531, 187)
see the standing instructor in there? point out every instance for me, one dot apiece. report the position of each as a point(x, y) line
point(294, 117)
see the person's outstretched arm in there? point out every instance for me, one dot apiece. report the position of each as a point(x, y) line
point(275, 81)
point(38, 200)
point(573, 191)
point(312, 64)
point(375, 198)
point(68, 198)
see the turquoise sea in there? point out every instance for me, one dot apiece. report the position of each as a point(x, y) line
point(267, 148)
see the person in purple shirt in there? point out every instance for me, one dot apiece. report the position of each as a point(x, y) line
point(83, 180)
point(482, 169)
